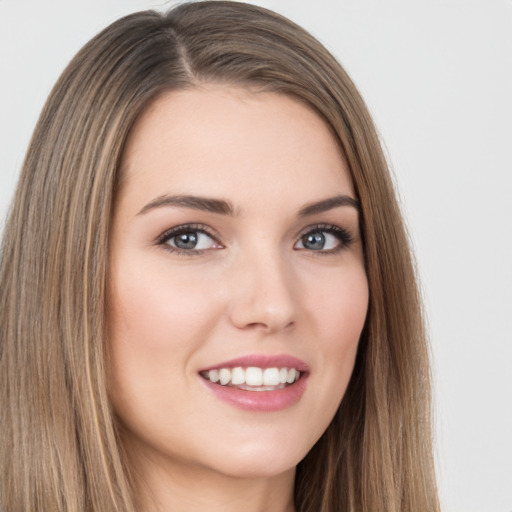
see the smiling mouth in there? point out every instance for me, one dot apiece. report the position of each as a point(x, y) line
point(253, 378)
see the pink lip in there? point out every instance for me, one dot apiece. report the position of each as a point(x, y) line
point(261, 401)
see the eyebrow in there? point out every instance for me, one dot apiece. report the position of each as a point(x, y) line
point(223, 207)
point(195, 202)
point(328, 204)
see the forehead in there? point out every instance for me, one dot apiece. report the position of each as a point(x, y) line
point(225, 141)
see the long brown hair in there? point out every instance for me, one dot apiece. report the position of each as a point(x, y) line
point(60, 449)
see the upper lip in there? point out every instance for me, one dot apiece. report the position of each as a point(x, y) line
point(262, 361)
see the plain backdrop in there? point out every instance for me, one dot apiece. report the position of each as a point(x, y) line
point(437, 76)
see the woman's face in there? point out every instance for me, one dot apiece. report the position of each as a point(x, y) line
point(235, 245)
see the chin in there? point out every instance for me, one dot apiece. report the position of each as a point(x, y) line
point(259, 459)
point(256, 469)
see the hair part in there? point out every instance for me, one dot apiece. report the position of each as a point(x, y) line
point(61, 447)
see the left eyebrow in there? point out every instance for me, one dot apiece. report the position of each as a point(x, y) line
point(329, 204)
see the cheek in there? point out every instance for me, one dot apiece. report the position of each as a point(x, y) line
point(158, 311)
point(154, 331)
point(340, 309)
point(339, 315)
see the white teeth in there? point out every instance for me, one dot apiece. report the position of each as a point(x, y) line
point(213, 375)
point(271, 377)
point(253, 377)
point(238, 376)
point(224, 375)
point(292, 373)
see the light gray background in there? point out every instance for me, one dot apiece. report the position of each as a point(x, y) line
point(437, 75)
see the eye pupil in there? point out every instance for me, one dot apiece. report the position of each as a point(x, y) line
point(314, 241)
point(186, 240)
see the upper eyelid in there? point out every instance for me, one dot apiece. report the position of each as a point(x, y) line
point(323, 226)
point(202, 228)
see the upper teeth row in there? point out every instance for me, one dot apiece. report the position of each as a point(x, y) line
point(253, 376)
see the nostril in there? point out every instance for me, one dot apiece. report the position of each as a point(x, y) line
point(268, 326)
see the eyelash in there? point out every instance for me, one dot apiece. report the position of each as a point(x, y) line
point(185, 228)
point(344, 237)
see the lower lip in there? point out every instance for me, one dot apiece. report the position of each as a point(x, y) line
point(261, 401)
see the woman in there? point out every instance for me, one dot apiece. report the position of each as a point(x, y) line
point(207, 295)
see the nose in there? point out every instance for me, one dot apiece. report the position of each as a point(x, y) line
point(263, 294)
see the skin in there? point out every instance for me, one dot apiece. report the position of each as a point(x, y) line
point(253, 288)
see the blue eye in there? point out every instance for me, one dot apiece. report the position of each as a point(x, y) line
point(188, 239)
point(324, 239)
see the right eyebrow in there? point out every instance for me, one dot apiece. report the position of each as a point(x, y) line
point(207, 204)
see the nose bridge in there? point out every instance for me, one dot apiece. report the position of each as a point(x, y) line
point(263, 290)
